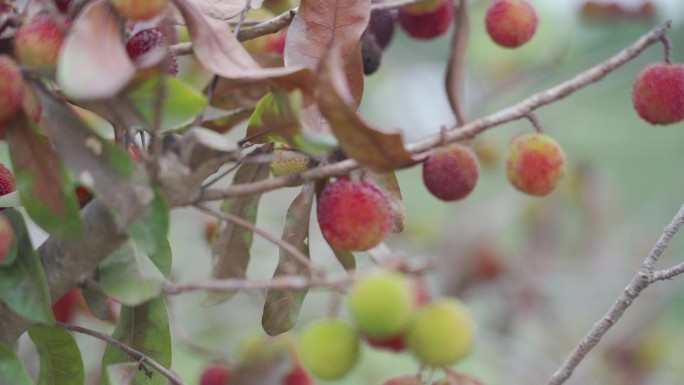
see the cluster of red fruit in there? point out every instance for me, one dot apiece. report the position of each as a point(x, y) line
point(389, 312)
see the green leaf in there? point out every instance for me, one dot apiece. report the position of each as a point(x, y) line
point(151, 229)
point(130, 276)
point(96, 300)
point(12, 371)
point(11, 254)
point(345, 258)
point(232, 246)
point(146, 329)
point(282, 307)
point(22, 284)
point(60, 357)
point(181, 103)
point(43, 183)
point(276, 118)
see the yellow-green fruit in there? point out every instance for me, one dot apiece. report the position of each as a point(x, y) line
point(287, 162)
point(535, 163)
point(329, 348)
point(382, 304)
point(442, 333)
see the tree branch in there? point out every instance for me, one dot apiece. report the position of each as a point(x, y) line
point(455, 134)
point(636, 285)
point(139, 356)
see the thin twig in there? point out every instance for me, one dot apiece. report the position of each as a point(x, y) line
point(456, 134)
point(125, 348)
point(290, 249)
point(455, 78)
point(636, 285)
point(662, 275)
point(535, 122)
point(667, 48)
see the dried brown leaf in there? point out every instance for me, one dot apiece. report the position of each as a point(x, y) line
point(390, 186)
point(371, 147)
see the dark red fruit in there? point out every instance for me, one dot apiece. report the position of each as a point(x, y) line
point(658, 93)
point(298, 376)
point(63, 5)
point(381, 26)
point(450, 173)
point(143, 46)
point(65, 308)
point(394, 343)
point(429, 25)
point(216, 374)
point(6, 180)
point(12, 88)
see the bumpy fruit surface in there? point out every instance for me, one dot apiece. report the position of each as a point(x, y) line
point(658, 93)
point(450, 173)
point(216, 374)
point(382, 304)
point(511, 23)
point(12, 89)
point(65, 308)
point(428, 25)
point(442, 333)
point(287, 162)
point(354, 215)
point(329, 349)
point(6, 180)
point(140, 9)
point(38, 42)
point(6, 237)
point(140, 45)
point(409, 379)
point(535, 163)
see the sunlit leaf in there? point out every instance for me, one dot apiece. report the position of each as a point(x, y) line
point(276, 118)
point(60, 357)
point(232, 246)
point(181, 102)
point(281, 308)
point(146, 329)
point(130, 276)
point(380, 151)
point(43, 183)
point(22, 284)
point(389, 184)
point(12, 370)
point(93, 62)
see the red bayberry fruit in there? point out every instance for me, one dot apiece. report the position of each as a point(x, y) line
point(216, 374)
point(354, 215)
point(511, 23)
point(140, 9)
point(65, 308)
point(381, 26)
point(428, 25)
point(6, 180)
point(658, 93)
point(38, 42)
point(535, 163)
point(63, 5)
point(12, 90)
point(298, 376)
point(6, 237)
point(450, 173)
point(143, 45)
point(394, 343)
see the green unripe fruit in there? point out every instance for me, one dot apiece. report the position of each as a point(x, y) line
point(441, 333)
point(329, 348)
point(287, 162)
point(382, 304)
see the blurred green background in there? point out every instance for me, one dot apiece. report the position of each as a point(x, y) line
point(553, 265)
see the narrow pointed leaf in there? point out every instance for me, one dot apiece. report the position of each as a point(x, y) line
point(389, 184)
point(345, 258)
point(22, 284)
point(232, 246)
point(130, 276)
point(282, 307)
point(276, 118)
point(93, 62)
point(44, 186)
point(112, 173)
point(181, 102)
point(12, 370)
point(378, 150)
point(60, 356)
point(146, 329)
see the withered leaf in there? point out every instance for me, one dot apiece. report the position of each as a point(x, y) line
point(373, 148)
point(390, 186)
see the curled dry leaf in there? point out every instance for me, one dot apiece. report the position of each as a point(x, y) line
point(379, 151)
point(390, 186)
point(93, 63)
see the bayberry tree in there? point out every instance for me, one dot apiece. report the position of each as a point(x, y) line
point(119, 113)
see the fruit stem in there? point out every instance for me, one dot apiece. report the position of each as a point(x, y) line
point(535, 122)
point(667, 47)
